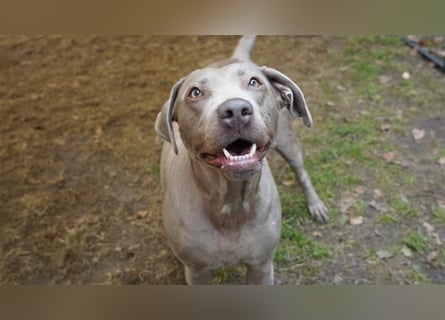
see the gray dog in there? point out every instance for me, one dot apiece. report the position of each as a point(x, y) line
point(221, 205)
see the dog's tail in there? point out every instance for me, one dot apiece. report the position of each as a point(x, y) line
point(244, 47)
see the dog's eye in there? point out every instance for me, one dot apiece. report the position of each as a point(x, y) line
point(195, 93)
point(254, 82)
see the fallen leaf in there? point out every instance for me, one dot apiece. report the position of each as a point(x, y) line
point(330, 104)
point(432, 256)
point(337, 279)
point(317, 234)
point(378, 206)
point(141, 214)
point(441, 203)
point(288, 183)
point(341, 88)
point(384, 79)
point(389, 156)
point(441, 53)
point(418, 134)
point(378, 193)
point(379, 62)
point(355, 221)
point(442, 162)
point(360, 190)
point(407, 252)
point(428, 227)
point(406, 75)
point(383, 254)
point(345, 203)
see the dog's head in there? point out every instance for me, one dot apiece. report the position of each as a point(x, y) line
point(228, 116)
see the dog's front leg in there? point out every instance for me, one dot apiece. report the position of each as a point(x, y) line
point(289, 147)
point(198, 276)
point(262, 273)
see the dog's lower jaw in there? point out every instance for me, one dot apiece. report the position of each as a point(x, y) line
point(243, 174)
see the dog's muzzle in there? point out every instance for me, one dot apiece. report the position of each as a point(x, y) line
point(241, 157)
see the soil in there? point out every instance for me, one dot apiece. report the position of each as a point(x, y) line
point(79, 159)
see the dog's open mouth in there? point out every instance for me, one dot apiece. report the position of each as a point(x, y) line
point(240, 155)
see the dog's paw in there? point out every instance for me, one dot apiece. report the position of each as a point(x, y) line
point(319, 212)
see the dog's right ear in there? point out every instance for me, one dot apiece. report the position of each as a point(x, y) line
point(165, 118)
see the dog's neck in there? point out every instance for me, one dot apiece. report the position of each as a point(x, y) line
point(229, 203)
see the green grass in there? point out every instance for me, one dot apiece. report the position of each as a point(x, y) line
point(388, 219)
point(297, 246)
point(439, 216)
point(403, 207)
point(347, 150)
point(416, 241)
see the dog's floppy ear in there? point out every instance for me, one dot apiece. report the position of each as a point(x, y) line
point(290, 94)
point(165, 118)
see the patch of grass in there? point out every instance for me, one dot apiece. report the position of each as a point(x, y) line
point(358, 208)
point(416, 241)
point(439, 216)
point(296, 245)
point(229, 274)
point(364, 71)
point(388, 219)
point(418, 277)
point(402, 206)
point(155, 169)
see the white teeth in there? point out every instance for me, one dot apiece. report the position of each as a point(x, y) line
point(253, 149)
point(226, 153)
point(243, 157)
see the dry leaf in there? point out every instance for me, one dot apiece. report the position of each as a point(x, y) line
point(384, 79)
point(442, 162)
point(345, 203)
point(355, 221)
point(141, 214)
point(378, 193)
point(378, 206)
point(432, 256)
point(418, 134)
point(441, 203)
point(317, 234)
point(407, 252)
point(360, 190)
point(385, 127)
point(383, 254)
point(406, 75)
point(428, 227)
point(288, 183)
point(389, 156)
point(341, 88)
point(430, 232)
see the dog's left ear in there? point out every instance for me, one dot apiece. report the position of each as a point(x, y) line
point(290, 94)
point(165, 118)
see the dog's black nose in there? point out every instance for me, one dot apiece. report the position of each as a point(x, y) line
point(235, 113)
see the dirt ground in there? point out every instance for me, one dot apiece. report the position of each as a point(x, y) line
point(79, 172)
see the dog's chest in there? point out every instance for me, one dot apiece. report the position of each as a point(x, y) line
point(232, 247)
